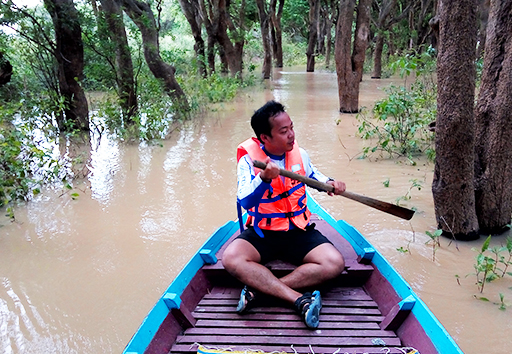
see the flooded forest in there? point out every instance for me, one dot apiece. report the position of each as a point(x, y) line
point(120, 120)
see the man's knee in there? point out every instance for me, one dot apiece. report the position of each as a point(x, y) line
point(237, 252)
point(330, 259)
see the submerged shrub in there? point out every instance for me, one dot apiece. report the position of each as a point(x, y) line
point(399, 124)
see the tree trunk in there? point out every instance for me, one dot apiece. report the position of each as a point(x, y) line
point(361, 36)
point(328, 39)
point(384, 12)
point(265, 37)
point(233, 51)
point(320, 29)
point(142, 15)
point(349, 68)
point(453, 185)
point(208, 16)
point(493, 172)
point(69, 54)
point(377, 56)
point(314, 13)
point(192, 11)
point(276, 24)
point(124, 65)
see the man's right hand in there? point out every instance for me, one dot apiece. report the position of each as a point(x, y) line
point(270, 172)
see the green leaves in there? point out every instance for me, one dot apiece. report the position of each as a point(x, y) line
point(488, 262)
point(400, 123)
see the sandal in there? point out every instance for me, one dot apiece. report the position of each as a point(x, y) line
point(309, 306)
point(246, 299)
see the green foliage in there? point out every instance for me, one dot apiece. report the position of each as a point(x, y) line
point(415, 183)
point(434, 240)
point(399, 125)
point(489, 262)
point(295, 20)
point(25, 164)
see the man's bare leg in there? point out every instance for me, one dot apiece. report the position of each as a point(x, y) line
point(322, 263)
point(241, 260)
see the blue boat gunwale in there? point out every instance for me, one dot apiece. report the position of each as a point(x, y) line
point(170, 299)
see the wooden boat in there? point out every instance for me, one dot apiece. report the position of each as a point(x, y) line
point(369, 308)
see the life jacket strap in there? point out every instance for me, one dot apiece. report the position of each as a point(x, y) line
point(290, 214)
point(283, 195)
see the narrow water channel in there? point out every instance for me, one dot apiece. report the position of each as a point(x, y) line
point(79, 276)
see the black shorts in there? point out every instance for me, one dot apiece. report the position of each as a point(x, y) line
point(290, 246)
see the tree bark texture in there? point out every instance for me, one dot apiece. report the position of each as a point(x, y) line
point(265, 37)
point(314, 13)
point(192, 11)
point(124, 65)
point(349, 67)
point(69, 53)
point(453, 184)
point(276, 24)
point(142, 15)
point(493, 167)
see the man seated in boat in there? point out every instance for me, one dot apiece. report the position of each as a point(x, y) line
point(278, 222)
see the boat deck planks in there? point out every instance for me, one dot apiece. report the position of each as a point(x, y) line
point(349, 321)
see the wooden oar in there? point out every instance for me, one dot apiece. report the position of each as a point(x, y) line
point(389, 208)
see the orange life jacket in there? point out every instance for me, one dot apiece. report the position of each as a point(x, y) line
point(285, 201)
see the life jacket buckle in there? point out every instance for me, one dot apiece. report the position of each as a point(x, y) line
point(289, 215)
point(285, 194)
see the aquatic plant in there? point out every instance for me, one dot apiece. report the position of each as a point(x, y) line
point(434, 240)
point(488, 262)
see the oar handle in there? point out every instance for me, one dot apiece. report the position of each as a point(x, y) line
point(389, 208)
point(306, 180)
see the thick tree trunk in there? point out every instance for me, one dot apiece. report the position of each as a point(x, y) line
point(314, 13)
point(192, 11)
point(70, 59)
point(276, 24)
point(453, 185)
point(493, 170)
point(349, 68)
point(142, 15)
point(265, 37)
point(124, 66)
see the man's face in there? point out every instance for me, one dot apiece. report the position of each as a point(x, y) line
point(282, 135)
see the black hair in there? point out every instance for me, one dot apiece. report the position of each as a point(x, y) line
point(260, 120)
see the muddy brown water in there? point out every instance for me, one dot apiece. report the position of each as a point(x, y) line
point(79, 276)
